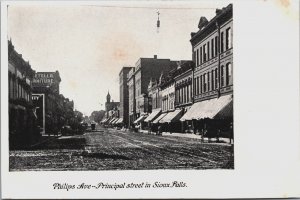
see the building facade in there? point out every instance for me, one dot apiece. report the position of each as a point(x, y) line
point(183, 77)
point(212, 49)
point(212, 111)
point(22, 121)
point(124, 95)
point(48, 101)
point(131, 93)
point(146, 69)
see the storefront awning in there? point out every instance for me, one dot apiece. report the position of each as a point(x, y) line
point(111, 121)
point(103, 120)
point(171, 117)
point(120, 121)
point(115, 121)
point(152, 116)
point(209, 109)
point(107, 120)
point(159, 118)
point(140, 119)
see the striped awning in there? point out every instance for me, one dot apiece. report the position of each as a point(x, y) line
point(152, 116)
point(120, 121)
point(210, 109)
point(141, 118)
point(157, 120)
point(171, 117)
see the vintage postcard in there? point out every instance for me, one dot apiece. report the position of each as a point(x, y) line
point(149, 99)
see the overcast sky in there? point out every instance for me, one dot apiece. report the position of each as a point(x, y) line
point(89, 44)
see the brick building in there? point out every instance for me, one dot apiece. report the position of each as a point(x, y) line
point(124, 96)
point(145, 69)
point(213, 74)
point(22, 121)
point(48, 102)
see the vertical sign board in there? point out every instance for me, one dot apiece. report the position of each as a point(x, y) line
point(38, 101)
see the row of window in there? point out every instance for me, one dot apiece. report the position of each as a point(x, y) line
point(167, 103)
point(209, 81)
point(184, 95)
point(210, 49)
point(16, 90)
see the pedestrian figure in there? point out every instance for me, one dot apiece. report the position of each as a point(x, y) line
point(159, 130)
point(231, 133)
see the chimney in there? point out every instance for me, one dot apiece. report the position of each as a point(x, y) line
point(218, 11)
point(155, 56)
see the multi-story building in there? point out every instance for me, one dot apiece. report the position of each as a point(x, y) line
point(183, 77)
point(124, 96)
point(145, 69)
point(111, 106)
point(131, 94)
point(47, 100)
point(212, 48)
point(22, 121)
point(213, 73)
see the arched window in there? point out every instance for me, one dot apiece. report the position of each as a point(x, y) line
point(228, 38)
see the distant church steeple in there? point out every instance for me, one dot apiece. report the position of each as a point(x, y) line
point(108, 97)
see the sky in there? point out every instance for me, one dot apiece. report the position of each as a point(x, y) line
point(89, 44)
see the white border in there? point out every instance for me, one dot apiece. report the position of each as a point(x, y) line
point(266, 111)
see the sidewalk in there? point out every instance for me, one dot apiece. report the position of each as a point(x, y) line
point(44, 139)
point(188, 135)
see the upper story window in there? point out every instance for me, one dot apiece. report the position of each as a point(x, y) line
point(204, 53)
point(212, 48)
point(201, 56)
point(216, 78)
point(228, 38)
point(204, 82)
point(216, 45)
point(228, 74)
point(197, 57)
point(222, 75)
point(222, 41)
point(208, 57)
point(212, 80)
point(208, 81)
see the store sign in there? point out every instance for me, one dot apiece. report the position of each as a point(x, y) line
point(42, 79)
point(38, 101)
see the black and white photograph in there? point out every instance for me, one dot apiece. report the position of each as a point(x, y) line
point(150, 99)
point(100, 88)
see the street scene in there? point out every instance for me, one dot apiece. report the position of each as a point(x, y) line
point(109, 149)
point(87, 92)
